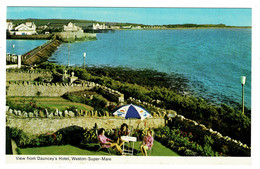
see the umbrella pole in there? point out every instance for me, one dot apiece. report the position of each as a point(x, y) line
point(130, 127)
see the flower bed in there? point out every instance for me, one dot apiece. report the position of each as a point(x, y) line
point(69, 135)
point(23, 139)
point(181, 141)
point(73, 135)
point(196, 144)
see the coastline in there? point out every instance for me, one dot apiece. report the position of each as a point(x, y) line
point(245, 27)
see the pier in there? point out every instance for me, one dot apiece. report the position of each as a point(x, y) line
point(40, 53)
point(43, 52)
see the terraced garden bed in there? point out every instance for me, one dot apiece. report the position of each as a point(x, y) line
point(49, 102)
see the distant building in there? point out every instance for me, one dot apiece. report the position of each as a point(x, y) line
point(29, 28)
point(71, 27)
point(127, 27)
point(115, 27)
point(9, 26)
point(97, 26)
point(137, 27)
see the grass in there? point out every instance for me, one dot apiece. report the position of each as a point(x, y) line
point(90, 149)
point(50, 102)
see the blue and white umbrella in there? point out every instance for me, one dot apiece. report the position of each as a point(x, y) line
point(132, 111)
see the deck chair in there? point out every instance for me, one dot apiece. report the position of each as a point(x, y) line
point(101, 146)
point(149, 152)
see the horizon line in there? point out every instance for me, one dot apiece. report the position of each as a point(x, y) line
point(129, 22)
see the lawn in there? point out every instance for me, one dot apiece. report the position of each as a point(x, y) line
point(90, 149)
point(50, 102)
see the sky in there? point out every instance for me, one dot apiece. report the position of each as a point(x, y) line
point(140, 15)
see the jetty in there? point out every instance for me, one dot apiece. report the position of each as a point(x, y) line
point(43, 52)
point(40, 53)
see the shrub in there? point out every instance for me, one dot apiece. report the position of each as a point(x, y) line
point(23, 139)
point(180, 141)
point(90, 136)
point(207, 150)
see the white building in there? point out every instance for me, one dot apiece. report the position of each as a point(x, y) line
point(72, 28)
point(9, 26)
point(29, 28)
point(98, 26)
point(115, 27)
point(127, 27)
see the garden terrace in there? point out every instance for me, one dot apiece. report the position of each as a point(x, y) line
point(55, 144)
point(210, 118)
point(223, 118)
point(228, 120)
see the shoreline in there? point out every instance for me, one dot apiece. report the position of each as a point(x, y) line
point(48, 37)
point(189, 28)
point(173, 81)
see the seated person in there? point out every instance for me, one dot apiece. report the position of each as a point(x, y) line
point(147, 142)
point(106, 142)
point(123, 132)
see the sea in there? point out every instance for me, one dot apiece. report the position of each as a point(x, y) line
point(213, 60)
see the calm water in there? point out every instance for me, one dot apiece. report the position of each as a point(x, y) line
point(212, 59)
point(22, 46)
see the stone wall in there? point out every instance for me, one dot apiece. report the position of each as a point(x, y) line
point(25, 75)
point(18, 84)
point(111, 94)
point(46, 89)
point(44, 125)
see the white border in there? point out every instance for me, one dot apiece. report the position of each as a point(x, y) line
point(149, 3)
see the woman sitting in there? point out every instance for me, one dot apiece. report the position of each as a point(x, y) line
point(106, 142)
point(123, 132)
point(147, 142)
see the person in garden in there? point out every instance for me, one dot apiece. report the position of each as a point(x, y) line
point(123, 132)
point(147, 142)
point(107, 142)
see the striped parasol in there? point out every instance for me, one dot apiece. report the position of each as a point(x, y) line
point(132, 111)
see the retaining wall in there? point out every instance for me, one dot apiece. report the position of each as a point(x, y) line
point(44, 125)
point(26, 75)
point(46, 89)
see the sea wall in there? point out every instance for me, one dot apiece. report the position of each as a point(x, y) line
point(31, 37)
point(75, 36)
point(40, 53)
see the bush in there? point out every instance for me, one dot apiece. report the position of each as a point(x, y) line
point(23, 139)
point(90, 136)
point(185, 144)
point(71, 135)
